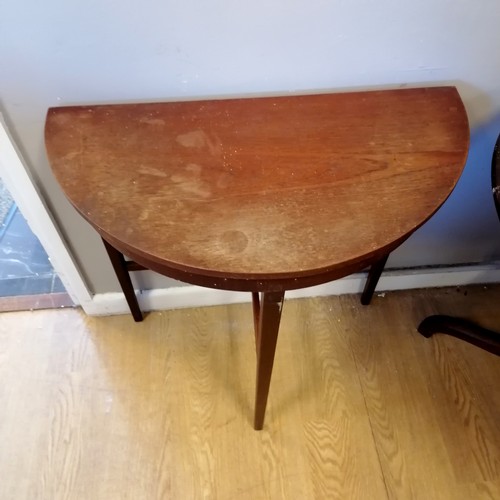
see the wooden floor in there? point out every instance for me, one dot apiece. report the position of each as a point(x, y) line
point(361, 406)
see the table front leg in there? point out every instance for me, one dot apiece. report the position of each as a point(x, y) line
point(119, 265)
point(267, 314)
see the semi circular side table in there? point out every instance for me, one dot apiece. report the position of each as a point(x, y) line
point(262, 195)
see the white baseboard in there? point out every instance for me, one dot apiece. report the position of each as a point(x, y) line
point(195, 296)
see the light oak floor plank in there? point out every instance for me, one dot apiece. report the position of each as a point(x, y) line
point(361, 406)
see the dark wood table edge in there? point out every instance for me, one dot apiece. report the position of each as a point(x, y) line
point(123, 267)
point(461, 328)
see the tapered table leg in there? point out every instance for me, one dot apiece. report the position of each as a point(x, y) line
point(371, 281)
point(120, 267)
point(256, 315)
point(268, 314)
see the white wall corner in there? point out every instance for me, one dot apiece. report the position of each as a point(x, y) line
point(16, 177)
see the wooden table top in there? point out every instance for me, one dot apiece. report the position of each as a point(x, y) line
point(232, 193)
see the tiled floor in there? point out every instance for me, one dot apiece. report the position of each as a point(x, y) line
point(25, 268)
point(27, 279)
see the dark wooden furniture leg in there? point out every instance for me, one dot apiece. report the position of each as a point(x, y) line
point(121, 270)
point(267, 314)
point(461, 329)
point(372, 280)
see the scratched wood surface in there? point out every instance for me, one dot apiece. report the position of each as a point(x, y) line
point(361, 405)
point(263, 187)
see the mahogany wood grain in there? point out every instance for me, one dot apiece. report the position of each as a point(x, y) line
point(262, 194)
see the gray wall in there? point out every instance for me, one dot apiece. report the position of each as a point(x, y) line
point(58, 52)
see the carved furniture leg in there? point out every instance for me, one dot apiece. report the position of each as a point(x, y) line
point(372, 280)
point(462, 329)
point(121, 270)
point(267, 316)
